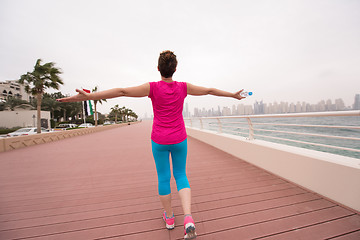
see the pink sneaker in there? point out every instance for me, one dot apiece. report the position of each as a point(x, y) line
point(170, 222)
point(189, 228)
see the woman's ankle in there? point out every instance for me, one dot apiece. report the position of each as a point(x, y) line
point(169, 215)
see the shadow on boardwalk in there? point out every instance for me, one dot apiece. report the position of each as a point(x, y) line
point(104, 186)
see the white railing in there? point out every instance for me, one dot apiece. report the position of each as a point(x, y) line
point(249, 127)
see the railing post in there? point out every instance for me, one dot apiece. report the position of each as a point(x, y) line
point(251, 129)
point(201, 124)
point(190, 122)
point(220, 126)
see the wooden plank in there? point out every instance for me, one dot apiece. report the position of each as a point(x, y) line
point(350, 236)
point(258, 225)
point(325, 230)
point(125, 222)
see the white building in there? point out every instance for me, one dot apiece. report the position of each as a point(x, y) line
point(23, 118)
point(13, 89)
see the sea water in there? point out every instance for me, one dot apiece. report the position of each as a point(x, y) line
point(239, 126)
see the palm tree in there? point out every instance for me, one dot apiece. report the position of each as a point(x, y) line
point(49, 103)
point(123, 113)
point(133, 115)
point(130, 114)
point(95, 102)
point(73, 109)
point(36, 82)
point(116, 111)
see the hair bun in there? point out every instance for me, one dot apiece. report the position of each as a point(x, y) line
point(167, 55)
point(167, 63)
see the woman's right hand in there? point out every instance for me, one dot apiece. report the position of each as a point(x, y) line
point(82, 96)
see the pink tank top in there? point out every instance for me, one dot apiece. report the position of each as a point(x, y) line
point(167, 101)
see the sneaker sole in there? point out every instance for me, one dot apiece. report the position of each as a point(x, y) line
point(190, 233)
point(170, 227)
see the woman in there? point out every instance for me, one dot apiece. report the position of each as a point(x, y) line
point(168, 134)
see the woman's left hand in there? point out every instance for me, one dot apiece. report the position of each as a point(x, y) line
point(237, 95)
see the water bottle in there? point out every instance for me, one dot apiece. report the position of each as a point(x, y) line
point(245, 94)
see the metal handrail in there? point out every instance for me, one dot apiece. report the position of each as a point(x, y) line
point(315, 144)
point(296, 125)
point(307, 114)
point(251, 126)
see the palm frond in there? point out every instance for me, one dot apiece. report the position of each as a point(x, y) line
point(42, 77)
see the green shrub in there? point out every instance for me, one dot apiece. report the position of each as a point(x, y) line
point(8, 130)
point(52, 123)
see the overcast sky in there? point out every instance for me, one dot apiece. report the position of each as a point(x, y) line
point(281, 50)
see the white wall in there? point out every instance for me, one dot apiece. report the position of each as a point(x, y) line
point(333, 176)
point(21, 118)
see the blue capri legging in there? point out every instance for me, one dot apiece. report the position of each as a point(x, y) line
point(161, 155)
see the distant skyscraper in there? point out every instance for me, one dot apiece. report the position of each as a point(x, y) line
point(234, 110)
point(226, 111)
point(339, 104)
point(357, 102)
point(186, 113)
point(241, 109)
point(259, 107)
point(187, 110)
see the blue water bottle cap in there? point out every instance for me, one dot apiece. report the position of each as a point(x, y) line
point(250, 93)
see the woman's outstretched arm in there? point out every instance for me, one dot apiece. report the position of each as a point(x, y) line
point(198, 91)
point(138, 91)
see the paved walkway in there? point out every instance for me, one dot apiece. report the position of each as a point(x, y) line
point(104, 186)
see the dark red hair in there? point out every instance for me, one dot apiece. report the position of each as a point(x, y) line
point(167, 63)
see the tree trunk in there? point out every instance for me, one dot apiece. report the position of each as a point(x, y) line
point(39, 97)
point(95, 116)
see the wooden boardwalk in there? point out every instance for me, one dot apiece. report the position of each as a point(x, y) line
point(104, 186)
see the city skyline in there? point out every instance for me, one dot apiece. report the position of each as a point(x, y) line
point(260, 107)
